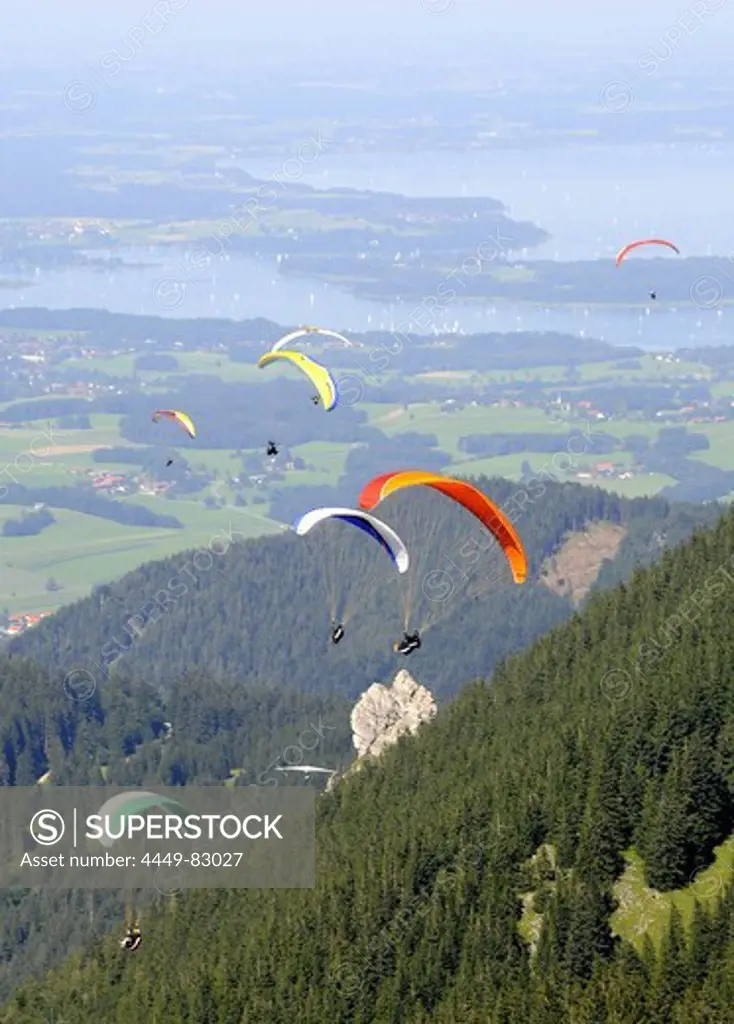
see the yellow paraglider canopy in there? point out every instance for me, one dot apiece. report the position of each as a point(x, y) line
point(178, 417)
point(316, 373)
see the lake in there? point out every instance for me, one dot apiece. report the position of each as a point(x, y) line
point(591, 199)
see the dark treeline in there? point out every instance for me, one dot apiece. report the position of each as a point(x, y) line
point(719, 357)
point(29, 525)
point(241, 339)
point(589, 281)
point(245, 415)
point(81, 422)
point(506, 444)
point(696, 480)
point(79, 499)
point(156, 361)
point(227, 415)
point(618, 399)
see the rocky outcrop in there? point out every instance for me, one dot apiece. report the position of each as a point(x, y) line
point(384, 713)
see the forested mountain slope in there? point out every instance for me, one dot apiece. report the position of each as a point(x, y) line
point(614, 731)
point(205, 731)
point(261, 610)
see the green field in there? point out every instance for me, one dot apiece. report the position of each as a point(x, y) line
point(723, 389)
point(460, 378)
point(41, 435)
point(721, 441)
point(450, 427)
point(638, 487)
point(651, 370)
point(79, 550)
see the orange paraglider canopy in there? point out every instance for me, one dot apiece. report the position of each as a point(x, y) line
point(643, 241)
point(489, 514)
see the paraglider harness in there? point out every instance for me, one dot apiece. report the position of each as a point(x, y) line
point(337, 632)
point(410, 642)
point(315, 399)
point(132, 940)
point(272, 450)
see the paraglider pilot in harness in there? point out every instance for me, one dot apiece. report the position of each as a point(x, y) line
point(272, 448)
point(410, 642)
point(132, 939)
point(337, 632)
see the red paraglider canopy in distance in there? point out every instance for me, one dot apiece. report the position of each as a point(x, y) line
point(643, 241)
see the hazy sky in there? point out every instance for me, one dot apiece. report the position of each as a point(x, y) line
point(317, 27)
